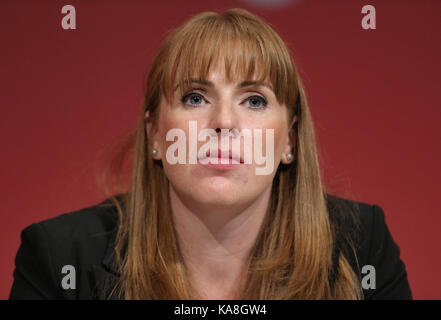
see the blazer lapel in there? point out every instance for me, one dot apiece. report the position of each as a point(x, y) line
point(106, 274)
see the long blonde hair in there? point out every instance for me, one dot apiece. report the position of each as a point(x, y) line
point(292, 256)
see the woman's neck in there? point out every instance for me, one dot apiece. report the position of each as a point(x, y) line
point(216, 243)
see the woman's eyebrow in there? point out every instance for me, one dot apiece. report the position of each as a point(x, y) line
point(246, 83)
point(203, 82)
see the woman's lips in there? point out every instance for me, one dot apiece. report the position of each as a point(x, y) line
point(221, 162)
point(222, 166)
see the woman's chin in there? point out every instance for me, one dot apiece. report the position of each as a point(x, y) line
point(220, 193)
point(220, 190)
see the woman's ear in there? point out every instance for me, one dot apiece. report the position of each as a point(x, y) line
point(152, 136)
point(288, 153)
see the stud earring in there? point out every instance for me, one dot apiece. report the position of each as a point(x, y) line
point(154, 152)
point(289, 156)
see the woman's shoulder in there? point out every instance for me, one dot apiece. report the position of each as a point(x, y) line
point(356, 225)
point(92, 221)
point(344, 210)
point(83, 231)
point(376, 259)
point(84, 239)
point(72, 244)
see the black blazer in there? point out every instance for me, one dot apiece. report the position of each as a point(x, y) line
point(85, 239)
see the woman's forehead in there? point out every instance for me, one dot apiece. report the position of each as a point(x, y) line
point(218, 74)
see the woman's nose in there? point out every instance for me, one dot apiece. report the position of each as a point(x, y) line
point(224, 116)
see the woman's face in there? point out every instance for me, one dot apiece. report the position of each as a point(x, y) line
point(215, 104)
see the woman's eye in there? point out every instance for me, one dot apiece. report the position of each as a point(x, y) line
point(193, 99)
point(257, 102)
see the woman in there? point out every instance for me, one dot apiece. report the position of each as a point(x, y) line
point(234, 229)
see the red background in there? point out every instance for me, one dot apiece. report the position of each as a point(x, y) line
point(374, 96)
